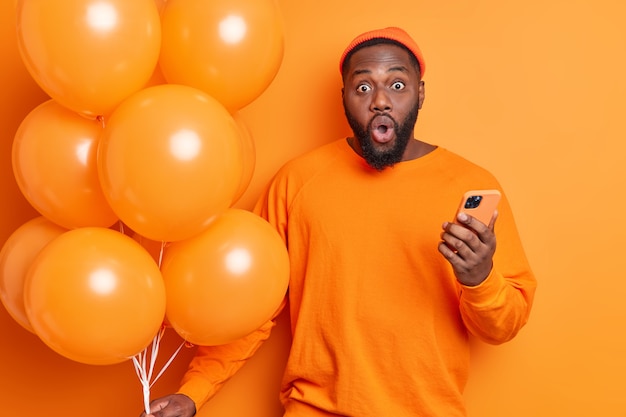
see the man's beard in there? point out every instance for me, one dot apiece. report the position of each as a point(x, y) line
point(377, 159)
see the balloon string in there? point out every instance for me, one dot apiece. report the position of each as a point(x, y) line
point(167, 364)
point(143, 378)
point(161, 253)
point(145, 372)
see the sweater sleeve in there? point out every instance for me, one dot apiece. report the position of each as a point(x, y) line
point(499, 307)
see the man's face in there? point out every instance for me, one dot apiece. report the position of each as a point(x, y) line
point(382, 96)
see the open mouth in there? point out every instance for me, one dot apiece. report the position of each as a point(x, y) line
point(382, 129)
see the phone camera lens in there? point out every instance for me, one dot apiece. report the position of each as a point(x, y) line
point(473, 201)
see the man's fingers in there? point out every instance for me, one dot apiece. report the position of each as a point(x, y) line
point(156, 406)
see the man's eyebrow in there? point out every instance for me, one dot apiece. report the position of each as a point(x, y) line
point(400, 68)
point(361, 71)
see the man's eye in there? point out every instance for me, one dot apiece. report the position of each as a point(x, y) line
point(397, 85)
point(363, 88)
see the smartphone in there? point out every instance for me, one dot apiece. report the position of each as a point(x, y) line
point(479, 204)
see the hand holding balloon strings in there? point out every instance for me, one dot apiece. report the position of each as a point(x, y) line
point(145, 372)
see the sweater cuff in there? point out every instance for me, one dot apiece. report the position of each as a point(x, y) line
point(487, 292)
point(197, 391)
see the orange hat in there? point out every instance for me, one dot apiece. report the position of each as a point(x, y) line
point(393, 33)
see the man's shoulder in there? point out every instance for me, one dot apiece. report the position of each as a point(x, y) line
point(455, 159)
point(462, 171)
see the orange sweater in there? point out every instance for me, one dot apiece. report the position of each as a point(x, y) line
point(379, 322)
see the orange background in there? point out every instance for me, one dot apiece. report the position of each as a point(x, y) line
point(533, 91)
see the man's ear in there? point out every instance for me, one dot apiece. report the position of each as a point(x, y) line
point(421, 94)
point(342, 92)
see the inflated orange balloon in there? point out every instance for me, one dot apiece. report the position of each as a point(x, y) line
point(248, 148)
point(230, 49)
point(89, 54)
point(170, 160)
point(16, 256)
point(226, 282)
point(95, 296)
point(54, 163)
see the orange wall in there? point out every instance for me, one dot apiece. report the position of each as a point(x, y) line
point(532, 90)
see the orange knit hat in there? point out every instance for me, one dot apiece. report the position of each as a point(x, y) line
point(393, 33)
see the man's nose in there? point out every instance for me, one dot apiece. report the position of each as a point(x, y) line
point(381, 101)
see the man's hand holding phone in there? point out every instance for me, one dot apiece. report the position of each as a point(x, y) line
point(469, 241)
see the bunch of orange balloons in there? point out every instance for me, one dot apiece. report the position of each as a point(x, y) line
point(141, 146)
